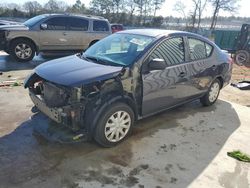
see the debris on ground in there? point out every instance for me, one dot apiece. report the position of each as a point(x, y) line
point(244, 85)
point(239, 156)
point(10, 83)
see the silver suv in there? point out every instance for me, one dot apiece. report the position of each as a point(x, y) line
point(52, 33)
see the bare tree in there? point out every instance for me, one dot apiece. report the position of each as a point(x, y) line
point(180, 7)
point(157, 5)
point(218, 5)
point(201, 7)
point(55, 6)
point(78, 7)
point(32, 7)
point(196, 14)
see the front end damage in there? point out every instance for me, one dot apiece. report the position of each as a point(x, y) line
point(64, 105)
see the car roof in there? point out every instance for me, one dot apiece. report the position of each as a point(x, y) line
point(158, 33)
point(75, 15)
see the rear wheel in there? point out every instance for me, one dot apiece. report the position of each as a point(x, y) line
point(242, 57)
point(212, 95)
point(114, 125)
point(22, 50)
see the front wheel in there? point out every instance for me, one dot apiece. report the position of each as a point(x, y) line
point(114, 125)
point(22, 50)
point(212, 95)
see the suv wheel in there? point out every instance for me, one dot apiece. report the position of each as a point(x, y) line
point(114, 125)
point(22, 50)
point(212, 94)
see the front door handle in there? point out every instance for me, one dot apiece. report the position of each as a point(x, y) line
point(182, 74)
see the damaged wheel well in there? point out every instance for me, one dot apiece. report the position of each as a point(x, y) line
point(95, 110)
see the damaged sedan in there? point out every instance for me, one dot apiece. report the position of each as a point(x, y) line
point(125, 77)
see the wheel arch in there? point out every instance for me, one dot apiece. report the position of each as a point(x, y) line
point(24, 38)
point(95, 113)
point(221, 81)
point(93, 42)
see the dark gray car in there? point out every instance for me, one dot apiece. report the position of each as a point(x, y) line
point(128, 76)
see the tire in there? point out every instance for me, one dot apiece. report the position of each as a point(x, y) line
point(93, 42)
point(212, 95)
point(22, 50)
point(103, 133)
point(242, 57)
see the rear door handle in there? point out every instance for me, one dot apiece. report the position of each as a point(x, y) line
point(182, 74)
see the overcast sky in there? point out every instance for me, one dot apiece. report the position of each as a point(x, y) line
point(167, 8)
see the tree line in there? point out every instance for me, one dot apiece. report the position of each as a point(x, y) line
point(127, 12)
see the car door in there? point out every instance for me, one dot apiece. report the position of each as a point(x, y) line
point(202, 66)
point(79, 33)
point(165, 88)
point(54, 34)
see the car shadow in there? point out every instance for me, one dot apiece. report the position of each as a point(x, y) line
point(8, 64)
point(176, 145)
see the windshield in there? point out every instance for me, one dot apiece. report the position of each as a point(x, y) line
point(32, 21)
point(118, 49)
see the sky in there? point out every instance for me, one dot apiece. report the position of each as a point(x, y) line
point(167, 7)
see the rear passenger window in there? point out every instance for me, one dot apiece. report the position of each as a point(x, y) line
point(78, 24)
point(209, 49)
point(171, 50)
point(199, 49)
point(57, 23)
point(100, 26)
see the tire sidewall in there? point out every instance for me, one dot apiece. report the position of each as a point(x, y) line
point(242, 52)
point(19, 41)
point(99, 133)
point(205, 99)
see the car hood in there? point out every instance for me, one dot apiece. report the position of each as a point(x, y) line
point(74, 71)
point(14, 27)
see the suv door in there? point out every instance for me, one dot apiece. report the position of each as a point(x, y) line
point(79, 33)
point(165, 88)
point(101, 29)
point(202, 66)
point(54, 34)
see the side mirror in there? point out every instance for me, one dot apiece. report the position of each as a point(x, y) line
point(157, 64)
point(44, 26)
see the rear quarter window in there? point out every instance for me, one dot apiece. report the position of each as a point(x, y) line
point(199, 49)
point(100, 25)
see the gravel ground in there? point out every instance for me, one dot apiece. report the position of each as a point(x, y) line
point(184, 147)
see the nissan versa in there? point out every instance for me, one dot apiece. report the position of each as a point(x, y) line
point(128, 76)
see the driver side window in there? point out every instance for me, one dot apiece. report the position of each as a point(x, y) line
point(171, 51)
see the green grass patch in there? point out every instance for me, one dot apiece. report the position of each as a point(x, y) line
point(239, 156)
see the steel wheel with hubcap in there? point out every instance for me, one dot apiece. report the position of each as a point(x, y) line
point(211, 96)
point(22, 50)
point(117, 126)
point(114, 125)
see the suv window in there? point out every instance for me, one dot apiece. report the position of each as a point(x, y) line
point(58, 23)
point(171, 50)
point(199, 49)
point(100, 25)
point(78, 24)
